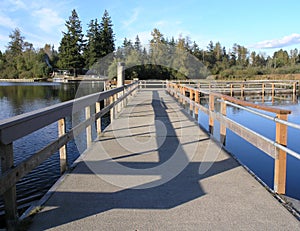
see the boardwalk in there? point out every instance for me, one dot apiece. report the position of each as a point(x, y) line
point(157, 185)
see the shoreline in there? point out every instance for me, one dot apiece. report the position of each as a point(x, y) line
point(18, 80)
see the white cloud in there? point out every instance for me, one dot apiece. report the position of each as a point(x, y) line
point(133, 17)
point(48, 19)
point(18, 4)
point(278, 43)
point(7, 22)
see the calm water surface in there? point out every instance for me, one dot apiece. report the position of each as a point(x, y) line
point(256, 160)
point(19, 98)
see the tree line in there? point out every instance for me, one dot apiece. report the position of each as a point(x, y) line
point(164, 58)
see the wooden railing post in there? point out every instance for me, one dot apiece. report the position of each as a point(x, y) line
point(263, 89)
point(88, 128)
point(231, 90)
point(280, 158)
point(98, 121)
point(211, 111)
point(191, 101)
point(112, 110)
point(10, 196)
point(182, 92)
point(294, 88)
point(197, 101)
point(242, 89)
point(222, 124)
point(120, 82)
point(63, 149)
point(177, 90)
point(126, 90)
point(115, 107)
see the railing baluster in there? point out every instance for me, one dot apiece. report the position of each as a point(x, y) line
point(197, 101)
point(112, 110)
point(63, 149)
point(211, 111)
point(222, 124)
point(10, 196)
point(88, 128)
point(280, 160)
point(98, 121)
point(191, 101)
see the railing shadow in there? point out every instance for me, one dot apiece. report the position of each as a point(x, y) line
point(68, 206)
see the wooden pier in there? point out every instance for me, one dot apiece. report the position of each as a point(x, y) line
point(152, 168)
point(154, 131)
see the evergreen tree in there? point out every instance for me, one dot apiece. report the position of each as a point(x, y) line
point(92, 48)
point(15, 46)
point(13, 55)
point(137, 44)
point(107, 41)
point(71, 45)
point(280, 58)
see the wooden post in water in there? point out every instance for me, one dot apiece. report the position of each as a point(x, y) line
point(211, 111)
point(88, 128)
point(222, 124)
point(63, 149)
point(280, 158)
point(10, 196)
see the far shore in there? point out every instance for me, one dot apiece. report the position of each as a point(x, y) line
point(211, 77)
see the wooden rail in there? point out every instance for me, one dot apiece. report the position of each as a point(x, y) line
point(233, 88)
point(19, 126)
point(276, 149)
point(152, 84)
point(249, 87)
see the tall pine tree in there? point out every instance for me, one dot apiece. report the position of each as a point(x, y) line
point(92, 48)
point(106, 35)
point(71, 45)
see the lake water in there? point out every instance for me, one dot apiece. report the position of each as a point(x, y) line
point(19, 98)
point(256, 160)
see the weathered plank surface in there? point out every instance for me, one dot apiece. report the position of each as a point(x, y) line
point(155, 169)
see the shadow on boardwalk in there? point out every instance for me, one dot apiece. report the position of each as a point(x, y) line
point(83, 196)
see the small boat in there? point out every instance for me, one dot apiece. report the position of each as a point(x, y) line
point(59, 80)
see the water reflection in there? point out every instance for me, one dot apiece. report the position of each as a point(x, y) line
point(19, 98)
point(257, 161)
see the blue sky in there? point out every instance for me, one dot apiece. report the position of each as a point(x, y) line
point(261, 25)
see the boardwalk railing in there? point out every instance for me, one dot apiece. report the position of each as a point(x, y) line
point(277, 149)
point(152, 84)
point(19, 126)
point(247, 87)
point(232, 88)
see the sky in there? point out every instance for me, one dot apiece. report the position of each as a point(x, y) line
point(263, 26)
